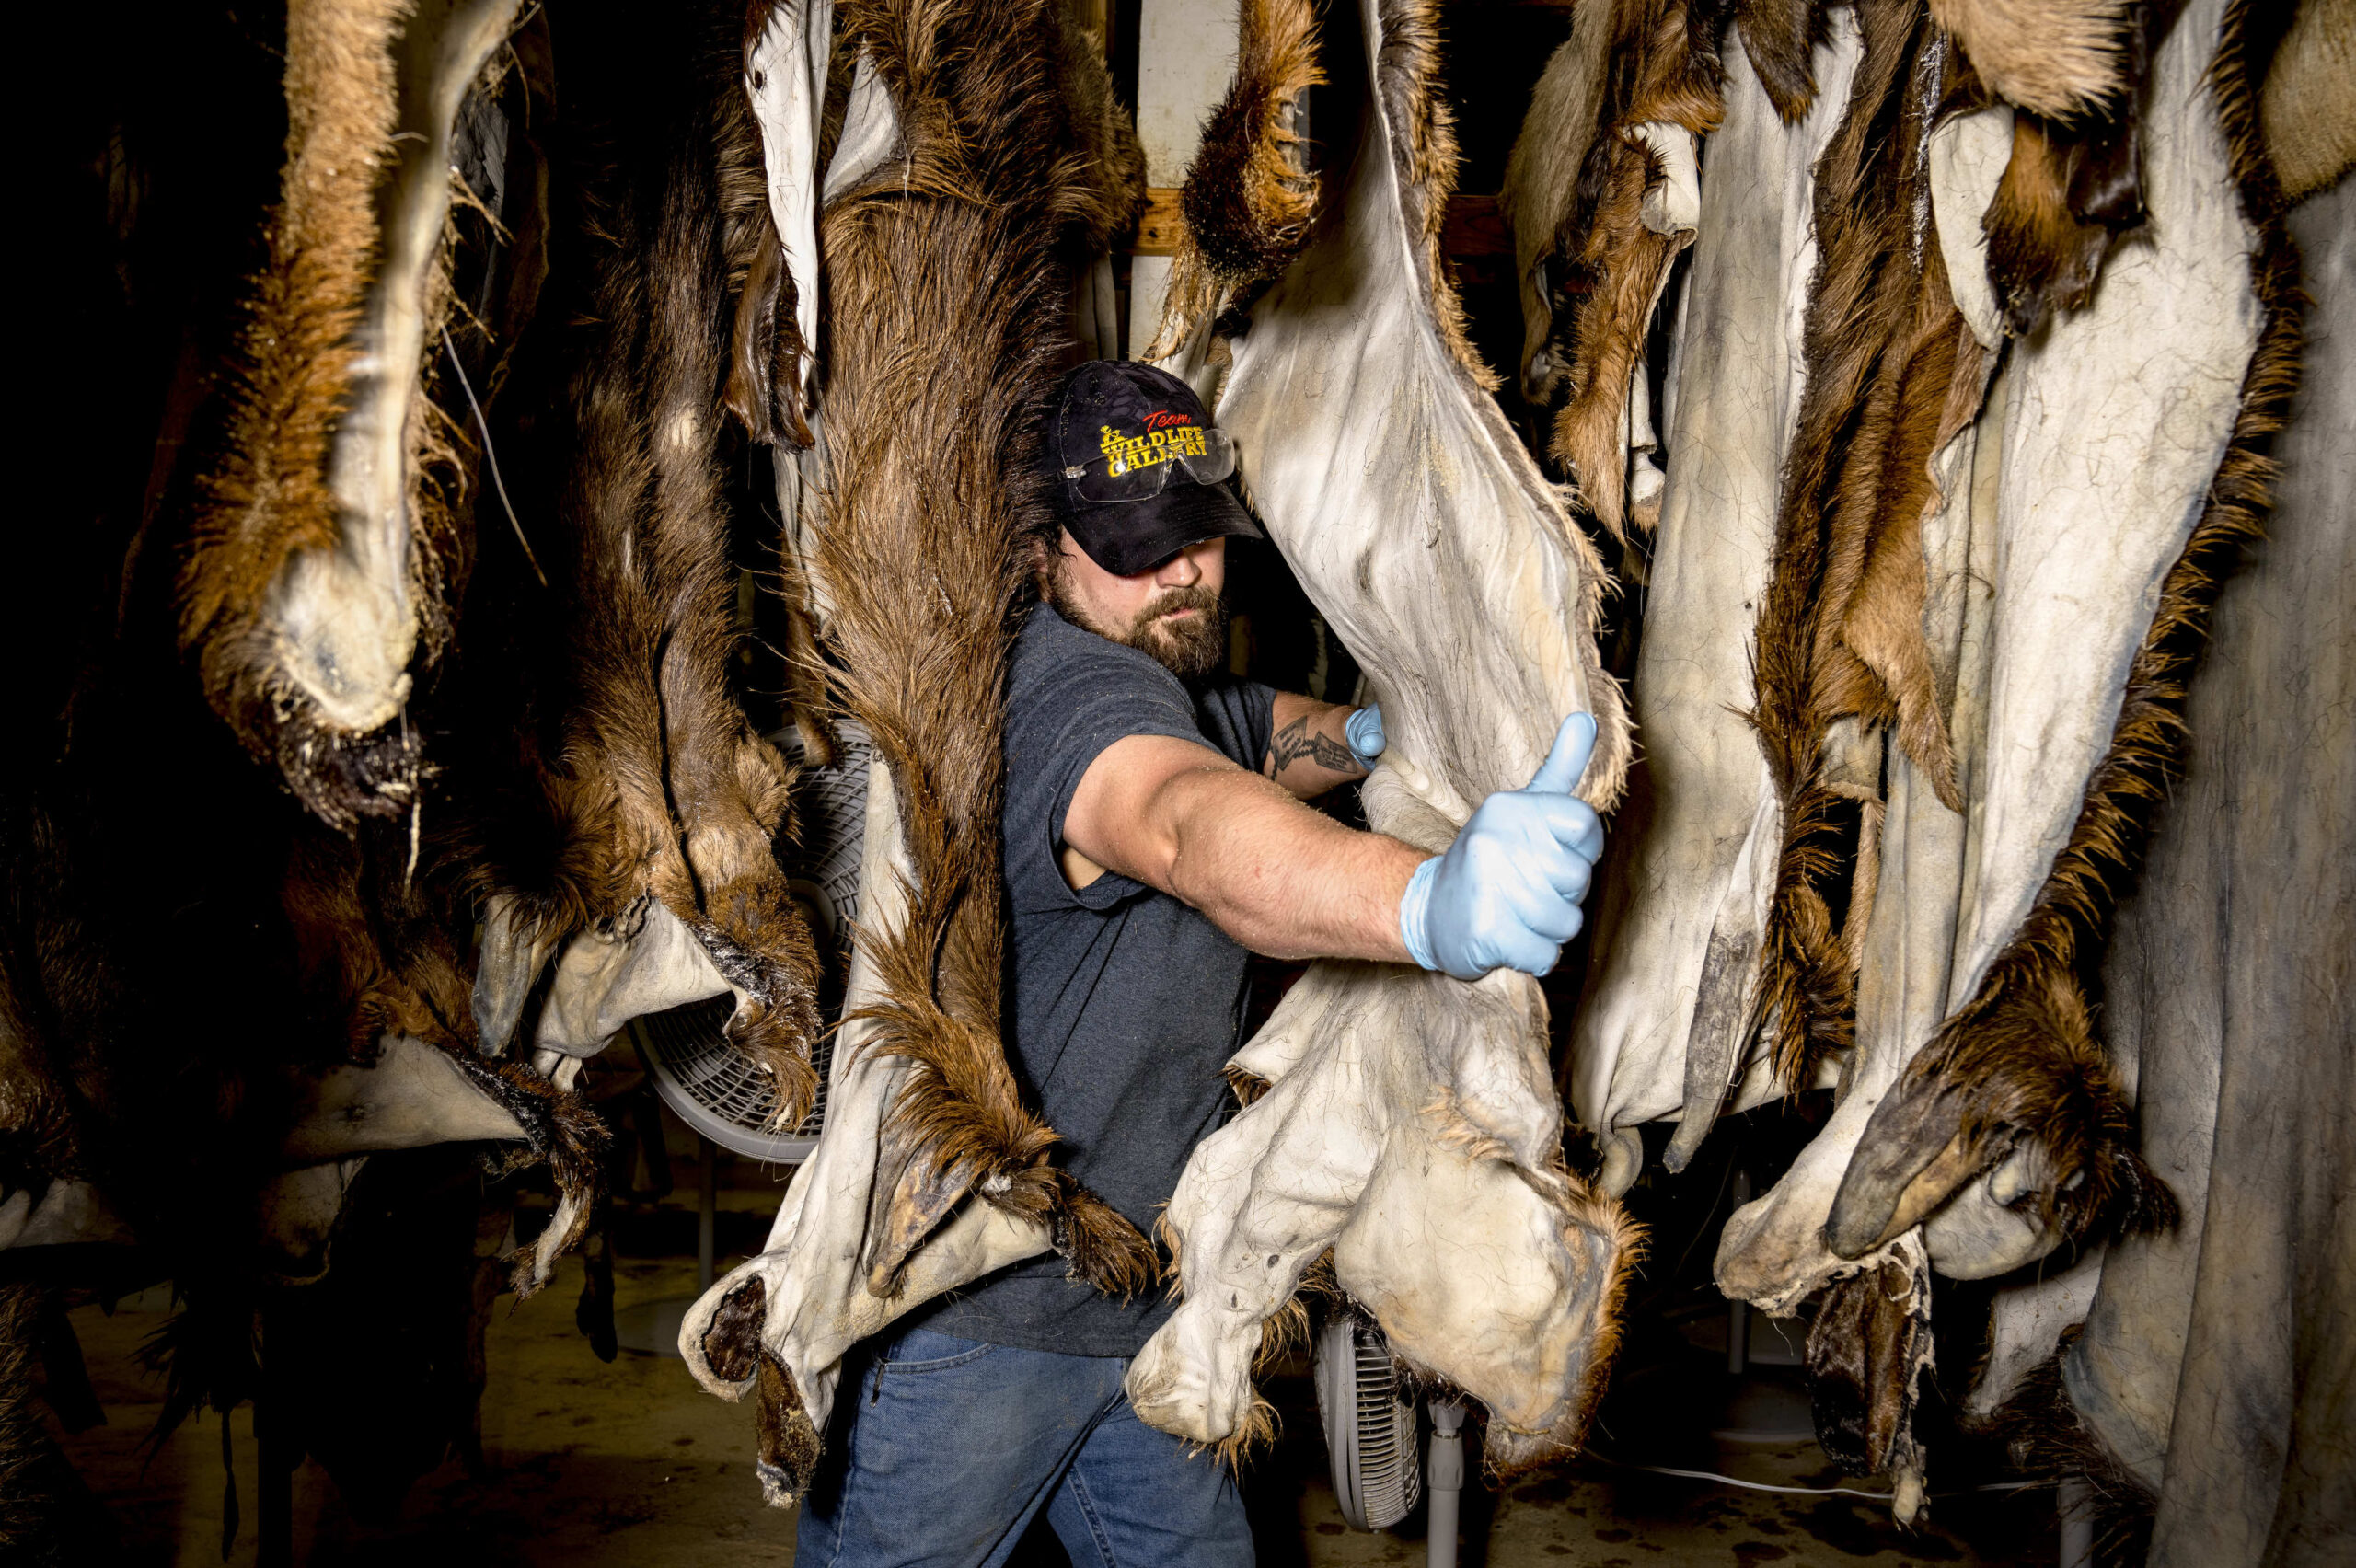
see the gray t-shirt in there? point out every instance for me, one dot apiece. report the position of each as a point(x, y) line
point(1124, 1003)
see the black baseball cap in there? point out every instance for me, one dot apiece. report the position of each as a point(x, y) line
point(1140, 472)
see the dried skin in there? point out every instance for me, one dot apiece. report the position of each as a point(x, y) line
point(945, 324)
point(2019, 1061)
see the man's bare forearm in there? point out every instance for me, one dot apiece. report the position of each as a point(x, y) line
point(1309, 751)
point(1279, 878)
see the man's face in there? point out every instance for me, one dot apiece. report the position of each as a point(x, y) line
point(1174, 612)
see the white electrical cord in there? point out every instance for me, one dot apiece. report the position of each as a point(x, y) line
point(1804, 1491)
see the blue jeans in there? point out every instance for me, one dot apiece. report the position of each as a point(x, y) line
point(949, 1449)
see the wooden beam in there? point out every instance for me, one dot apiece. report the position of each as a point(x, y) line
point(1475, 227)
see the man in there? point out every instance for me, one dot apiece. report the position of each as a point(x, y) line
point(1154, 831)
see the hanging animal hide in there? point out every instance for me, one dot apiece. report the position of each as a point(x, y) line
point(929, 396)
point(1250, 216)
point(1402, 1106)
point(657, 802)
point(2210, 1370)
point(1679, 897)
point(1893, 373)
point(1542, 178)
point(1634, 211)
point(2015, 1072)
point(325, 550)
point(989, 162)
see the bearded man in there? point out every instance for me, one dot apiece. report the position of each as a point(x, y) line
point(1155, 835)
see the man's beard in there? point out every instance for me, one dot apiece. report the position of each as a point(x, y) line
point(1191, 649)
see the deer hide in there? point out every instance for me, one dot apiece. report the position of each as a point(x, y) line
point(1681, 893)
point(322, 551)
point(1405, 1104)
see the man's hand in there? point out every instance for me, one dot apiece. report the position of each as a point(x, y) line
point(1506, 894)
point(1362, 730)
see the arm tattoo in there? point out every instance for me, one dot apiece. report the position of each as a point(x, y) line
point(1295, 741)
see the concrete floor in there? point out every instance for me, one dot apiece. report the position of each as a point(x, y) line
point(630, 1463)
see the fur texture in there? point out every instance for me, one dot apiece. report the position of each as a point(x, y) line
point(1542, 180)
point(1408, 69)
point(2308, 106)
point(2019, 1062)
point(1249, 196)
point(947, 305)
point(1780, 37)
point(2057, 58)
point(268, 499)
point(1614, 265)
point(2046, 1438)
point(2073, 186)
point(641, 776)
point(1892, 374)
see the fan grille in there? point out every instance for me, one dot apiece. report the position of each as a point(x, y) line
point(1370, 1430)
point(709, 1084)
point(1391, 1476)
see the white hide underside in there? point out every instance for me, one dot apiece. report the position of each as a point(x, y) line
point(343, 618)
point(786, 80)
point(814, 1267)
point(1412, 1122)
point(2113, 421)
point(1704, 861)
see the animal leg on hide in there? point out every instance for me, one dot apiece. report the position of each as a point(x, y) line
point(314, 564)
point(2018, 1063)
point(1248, 198)
point(916, 548)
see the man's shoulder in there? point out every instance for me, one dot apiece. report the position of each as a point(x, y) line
point(1051, 653)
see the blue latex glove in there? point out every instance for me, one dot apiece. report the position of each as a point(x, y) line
point(1506, 894)
point(1363, 730)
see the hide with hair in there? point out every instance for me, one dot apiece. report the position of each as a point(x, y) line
point(1681, 893)
point(325, 552)
point(981, 168)
point(1402, 1106)
point(637, 805)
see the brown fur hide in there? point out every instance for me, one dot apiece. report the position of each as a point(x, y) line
point(946, 306)
point(1664, 68)
point(1780, 37)
point(2309, 106)
point(2019, 1062)
point(2074, 185)
point(2061, 59)
point(656, 784)
point(1542, 180)
point(1892, 375)
point(267, 498)
point(1249, 195)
